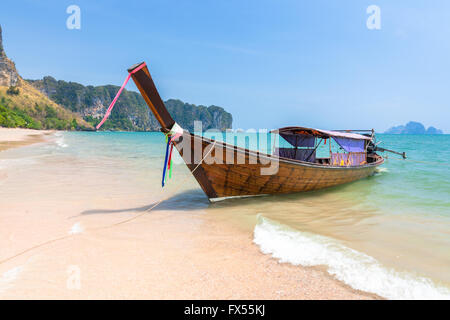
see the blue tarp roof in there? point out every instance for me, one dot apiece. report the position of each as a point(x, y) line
point(321, 133)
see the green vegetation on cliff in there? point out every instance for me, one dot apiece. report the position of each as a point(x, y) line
point(37, 117)
point(12, 118)
point(130, 113)
point(29, 118)
point(25, 107)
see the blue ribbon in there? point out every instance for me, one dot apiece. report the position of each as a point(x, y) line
point(165, 163)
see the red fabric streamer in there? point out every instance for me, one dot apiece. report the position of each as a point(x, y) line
point(176, 136)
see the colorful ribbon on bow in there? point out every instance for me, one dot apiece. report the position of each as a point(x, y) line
point(168, 158)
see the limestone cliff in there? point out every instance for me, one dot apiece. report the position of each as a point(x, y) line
point(8, 73)
point(53, 104)
point(131, 113)
point(21, 105)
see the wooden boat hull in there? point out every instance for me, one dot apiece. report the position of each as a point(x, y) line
point(221, 179)
point(230, 171)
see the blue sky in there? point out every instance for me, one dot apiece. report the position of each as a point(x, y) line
point(269, 63)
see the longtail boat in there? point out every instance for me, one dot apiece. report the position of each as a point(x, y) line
point(225, 170)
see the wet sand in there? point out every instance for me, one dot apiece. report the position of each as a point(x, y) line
point(170, 252)
point(16, 137)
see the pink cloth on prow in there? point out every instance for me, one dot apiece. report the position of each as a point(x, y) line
point(108, 111)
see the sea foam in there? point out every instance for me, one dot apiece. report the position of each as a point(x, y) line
point(61, 143)
point(76, 228)
point(381, 170)
point(354, 268)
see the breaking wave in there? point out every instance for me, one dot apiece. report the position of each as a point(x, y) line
point(61, 143)
point(354, 268)
point(381, 170)
point(59, 140)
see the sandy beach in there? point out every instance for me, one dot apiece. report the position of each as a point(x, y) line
point(16, 137)
point(170, 252)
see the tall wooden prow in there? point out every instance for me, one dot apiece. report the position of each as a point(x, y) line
point(148, 90)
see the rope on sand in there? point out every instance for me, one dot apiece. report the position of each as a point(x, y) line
point(112, 225)
point(164, 199)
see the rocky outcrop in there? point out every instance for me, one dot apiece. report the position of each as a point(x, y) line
point(90, 103)
point(1, 41)
point(130, 112)
point(8, 73)
point(212, 117)
point(21, 105)
point(433, 130)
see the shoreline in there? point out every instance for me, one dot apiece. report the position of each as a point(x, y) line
point(19, 137)
point(276, 280)
point(168, 253)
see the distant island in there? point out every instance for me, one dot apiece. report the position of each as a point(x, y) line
point(56, 104)
point(413, 127)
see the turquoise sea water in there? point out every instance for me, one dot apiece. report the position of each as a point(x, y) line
point(388, 234)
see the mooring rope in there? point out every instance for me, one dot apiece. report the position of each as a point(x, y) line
point(114, 224)
point(164, 199)
point(419, 161)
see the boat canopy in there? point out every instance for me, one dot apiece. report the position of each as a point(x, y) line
point(305, 137)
